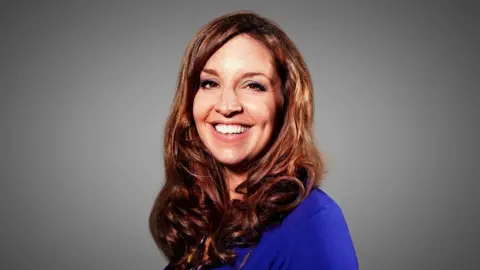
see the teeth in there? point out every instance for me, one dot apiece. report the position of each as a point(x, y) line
point(230, 129)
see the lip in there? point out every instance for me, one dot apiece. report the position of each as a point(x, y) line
point(228, 138)
point(213, 123)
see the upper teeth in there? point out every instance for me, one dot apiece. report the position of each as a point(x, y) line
point(230, 128)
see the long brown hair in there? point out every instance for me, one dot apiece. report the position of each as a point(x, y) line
point(195, 202)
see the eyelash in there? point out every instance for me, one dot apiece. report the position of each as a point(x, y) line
point(204, 83)
point(255, 86)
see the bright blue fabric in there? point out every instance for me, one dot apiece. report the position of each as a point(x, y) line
point(314, 236)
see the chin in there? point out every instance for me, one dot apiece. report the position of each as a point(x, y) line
point(229, 157)
point(229, 161)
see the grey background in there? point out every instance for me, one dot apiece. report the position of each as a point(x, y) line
point(86, 87)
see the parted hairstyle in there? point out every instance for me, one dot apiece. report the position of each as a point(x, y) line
point(194, 202)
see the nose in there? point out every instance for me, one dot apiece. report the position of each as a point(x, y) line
point(228, 103)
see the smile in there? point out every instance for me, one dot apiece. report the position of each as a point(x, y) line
point(230, 129)
point(229, 133)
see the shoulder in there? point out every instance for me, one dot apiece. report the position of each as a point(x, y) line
point(318, 201)
point(317, 235)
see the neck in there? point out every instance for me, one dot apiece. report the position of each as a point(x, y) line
point(233, 180)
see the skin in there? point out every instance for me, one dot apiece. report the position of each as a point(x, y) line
point(239, 84)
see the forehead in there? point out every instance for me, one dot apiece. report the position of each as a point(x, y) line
point(242, 53)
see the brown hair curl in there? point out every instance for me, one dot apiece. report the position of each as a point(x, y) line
point(195, 201)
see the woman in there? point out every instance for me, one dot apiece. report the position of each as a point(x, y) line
point(240, 159)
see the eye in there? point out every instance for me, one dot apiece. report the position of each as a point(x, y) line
point(208, 84)
point(255, 86)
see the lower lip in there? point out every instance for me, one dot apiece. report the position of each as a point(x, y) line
point(228, 138)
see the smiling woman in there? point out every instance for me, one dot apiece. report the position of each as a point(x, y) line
point(240, 159)
point(236, 108)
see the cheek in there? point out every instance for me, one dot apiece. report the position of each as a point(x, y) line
point(263, 112)
point(200, 107)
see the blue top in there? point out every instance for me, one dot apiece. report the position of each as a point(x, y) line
point(314, 235)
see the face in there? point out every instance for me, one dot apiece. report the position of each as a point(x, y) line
point(238, 100)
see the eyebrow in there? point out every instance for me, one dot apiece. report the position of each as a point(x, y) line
point(244, 75)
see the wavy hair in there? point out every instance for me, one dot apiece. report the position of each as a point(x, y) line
point(194, 201)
